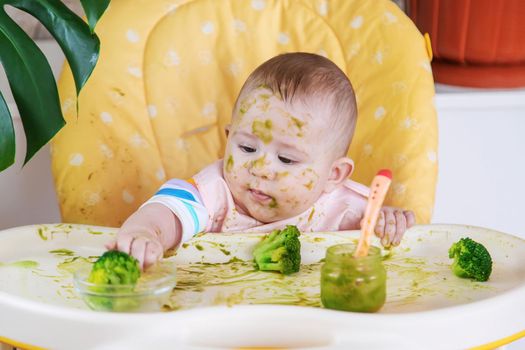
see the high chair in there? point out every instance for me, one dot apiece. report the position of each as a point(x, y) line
point(169, 72)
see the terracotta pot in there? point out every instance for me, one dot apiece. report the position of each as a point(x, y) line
point(475, 42)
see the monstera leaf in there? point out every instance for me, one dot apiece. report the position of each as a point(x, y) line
point(29, 74)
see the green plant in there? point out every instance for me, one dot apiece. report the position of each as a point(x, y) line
point(471, 260)
point(279, 251)
point(29, 74)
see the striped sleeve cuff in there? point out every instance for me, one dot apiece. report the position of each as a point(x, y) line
point(183, 200)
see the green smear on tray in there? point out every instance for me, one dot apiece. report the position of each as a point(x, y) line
point(24, 264)
point(238, 282)
point(72, 264)
point(93, 232)
point(41, 233)
point(62, 252)
point(46, 232)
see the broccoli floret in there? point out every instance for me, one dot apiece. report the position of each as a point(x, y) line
point(115, 267)
point(279, 251)
point(471, 260)
point(114, 272)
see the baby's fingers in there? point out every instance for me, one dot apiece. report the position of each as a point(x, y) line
point(390, 228)
point(154, 252)
point(410, 218)
point(111, 245)
point(380, 225)
point(124, 242)
point(401, 227)
point(138, 250)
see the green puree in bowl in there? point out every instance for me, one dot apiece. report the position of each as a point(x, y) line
point(353, 284)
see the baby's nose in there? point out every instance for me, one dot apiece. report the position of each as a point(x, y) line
point(263, 171)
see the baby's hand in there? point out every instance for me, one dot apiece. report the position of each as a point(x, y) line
point(147, 233)
point(392, 224)
point(141, 245)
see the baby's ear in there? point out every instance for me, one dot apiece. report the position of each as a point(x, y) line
point(339, 172)
point(227, 129)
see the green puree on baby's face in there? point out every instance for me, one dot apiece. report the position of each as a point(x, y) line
point(263, 130)
point(245, 106)
point(259, 162)
point(299, 124)
point(229, 163)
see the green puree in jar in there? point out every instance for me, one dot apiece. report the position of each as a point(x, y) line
point(353, 284)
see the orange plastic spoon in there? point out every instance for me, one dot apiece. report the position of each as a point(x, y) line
point(378, 190)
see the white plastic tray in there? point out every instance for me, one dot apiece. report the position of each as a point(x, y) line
point(427, 306)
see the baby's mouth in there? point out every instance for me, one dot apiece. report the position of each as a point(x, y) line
point(259, 196)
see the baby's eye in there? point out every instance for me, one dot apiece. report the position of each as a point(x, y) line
point(247, 149)
point(286, 160)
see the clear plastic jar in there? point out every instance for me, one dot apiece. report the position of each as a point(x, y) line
point(353, 284)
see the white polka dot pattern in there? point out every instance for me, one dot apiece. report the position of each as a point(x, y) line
point(106, 117)
point(132, 36)
point(127, 197)
point(106, 151)
point(172, 58)
point(152, 111)
point(258, 5)
point(207, 28)
point(379, 113)
point(76, 159)
point(161, 175)
point(283, 38)
point(135, 71)
point(92, 198)
point(323, 8)
point(239, 25)
point(357, 22)
point(432, 156)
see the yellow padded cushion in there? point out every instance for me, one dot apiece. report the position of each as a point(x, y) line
point(169, 72)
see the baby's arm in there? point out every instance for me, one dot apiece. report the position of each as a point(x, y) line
point(174, 214)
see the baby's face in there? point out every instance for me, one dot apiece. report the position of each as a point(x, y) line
point(276, 161)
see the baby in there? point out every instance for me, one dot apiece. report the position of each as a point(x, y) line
point(285, 164)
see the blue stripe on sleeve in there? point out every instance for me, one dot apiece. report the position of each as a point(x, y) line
point(177, 193)
point(194, 216)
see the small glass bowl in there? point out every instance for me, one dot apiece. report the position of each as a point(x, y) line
point(151, 292)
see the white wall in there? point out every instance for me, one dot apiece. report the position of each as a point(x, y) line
point(481, 178)
point(481, 159)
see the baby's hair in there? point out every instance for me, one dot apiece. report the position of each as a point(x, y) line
point(314, 79)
